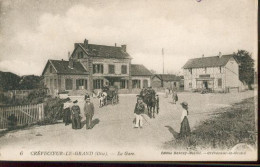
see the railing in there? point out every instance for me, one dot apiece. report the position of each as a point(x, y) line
point(23, 115)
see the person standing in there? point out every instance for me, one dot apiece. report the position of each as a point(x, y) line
point(166, 92)
point(139, 110)
point(75, 110)
point(185, 127)
point(157, 103)
point(67, 112)
point(174, 97)
point(89, 112)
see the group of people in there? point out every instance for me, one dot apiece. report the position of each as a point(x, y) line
point(71, 113)
point(169, 91)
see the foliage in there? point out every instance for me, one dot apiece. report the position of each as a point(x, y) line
point(30, 82)
point(8, 81)
point(11, 81)
point(53, 110)
point(234, 125)
point(246, 67)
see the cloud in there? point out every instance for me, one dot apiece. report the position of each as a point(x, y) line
point(184, 29)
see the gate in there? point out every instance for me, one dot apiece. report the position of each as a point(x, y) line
point(24, 115)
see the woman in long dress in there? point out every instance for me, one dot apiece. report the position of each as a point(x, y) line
point(185, 127)
point(174, 97)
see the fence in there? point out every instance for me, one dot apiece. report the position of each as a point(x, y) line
point(27, 114)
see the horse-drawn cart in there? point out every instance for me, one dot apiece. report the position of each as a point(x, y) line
point(112, 95)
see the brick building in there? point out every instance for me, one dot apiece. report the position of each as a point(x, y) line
point(216, 73)
point(91, 66)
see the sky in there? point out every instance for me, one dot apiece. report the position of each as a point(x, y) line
point(33, 31)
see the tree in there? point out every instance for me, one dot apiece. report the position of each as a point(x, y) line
point(9, 81)
point(246, 67)
point(30, 82)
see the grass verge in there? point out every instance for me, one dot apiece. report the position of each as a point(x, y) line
point(235, 124)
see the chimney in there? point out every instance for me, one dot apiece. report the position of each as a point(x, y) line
point(220, 54)
point(86, 43)
point(71, 63)
point(115, 44)
point(75, 45)
point(123, 47)
point(203, 55)
point(68, 55)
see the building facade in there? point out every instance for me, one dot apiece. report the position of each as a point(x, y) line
point(169, 81)
point(91, 66)
point(217, 73)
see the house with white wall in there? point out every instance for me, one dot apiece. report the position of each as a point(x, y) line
point(216, 73)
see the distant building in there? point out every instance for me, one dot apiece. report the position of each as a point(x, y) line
point(91, 66)
point(217, 73)
point(170, 81)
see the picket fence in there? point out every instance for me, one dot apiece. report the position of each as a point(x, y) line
point(26, 114)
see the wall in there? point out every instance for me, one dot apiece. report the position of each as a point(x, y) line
point(232, 73)
point(214, 72)
point(117, 62)
point(156, 82)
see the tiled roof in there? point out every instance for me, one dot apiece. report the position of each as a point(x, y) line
point(203, 62)
point(105, 51)
point(139, 70)
point(62, 67)
point(168, 77)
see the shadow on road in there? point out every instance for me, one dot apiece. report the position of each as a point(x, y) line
point(94, 122)
point(173, 132)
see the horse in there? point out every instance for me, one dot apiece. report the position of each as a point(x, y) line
point(150, 101)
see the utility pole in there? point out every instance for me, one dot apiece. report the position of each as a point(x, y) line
point(163, 59)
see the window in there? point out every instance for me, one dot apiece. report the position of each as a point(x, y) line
point(51, 83)
point(80, 55)
point(98, 68)
point(81, 84)
point(220, 83)
point(68, 84)
point(124, 69)
point(123, 84)
point(59, 83)
point(220, 69)
point(190, 70)
point(111, 69)
point(97, 83)
point(190, 85)
point(136, 84)
point(55, 83)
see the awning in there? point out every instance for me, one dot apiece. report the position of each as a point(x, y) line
point(204, 79)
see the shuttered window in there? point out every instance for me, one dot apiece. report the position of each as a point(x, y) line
point(81, 84)
point(97, 83)
point(124, 69)
point(68, 84)
point(111, 69)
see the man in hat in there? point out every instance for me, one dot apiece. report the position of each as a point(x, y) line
point(89, 112)
point(67, 112)
point(139, 110)
point(75, 115)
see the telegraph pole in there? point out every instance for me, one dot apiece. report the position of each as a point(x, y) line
point(163, 59)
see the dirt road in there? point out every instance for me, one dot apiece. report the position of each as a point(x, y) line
point(114, 128)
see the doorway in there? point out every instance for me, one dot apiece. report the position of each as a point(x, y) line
point(205, 84)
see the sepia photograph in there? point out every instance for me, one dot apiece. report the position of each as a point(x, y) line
point(128, 80)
